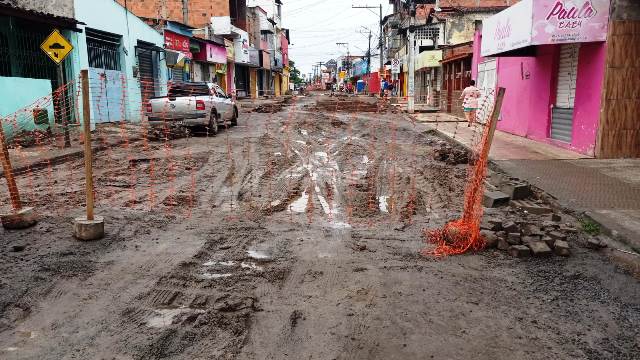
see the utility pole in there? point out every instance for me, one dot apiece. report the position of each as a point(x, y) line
point(411, 60)
point(369, 56)
point(381, 42)
point(381, 46)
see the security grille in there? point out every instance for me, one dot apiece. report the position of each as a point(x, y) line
point(562, 114)
point(103, 49)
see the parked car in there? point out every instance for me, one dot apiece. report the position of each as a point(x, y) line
point(190, 105)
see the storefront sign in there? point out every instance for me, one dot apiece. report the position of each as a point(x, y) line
point(241, 47)
point(532, 22)
point(231, 54)
point(508, 30)
point(177, 42)
point(212, 53)
point(426, 59)
point(566, 21)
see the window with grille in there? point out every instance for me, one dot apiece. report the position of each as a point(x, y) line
point(103, 49)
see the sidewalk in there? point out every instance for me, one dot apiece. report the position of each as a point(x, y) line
point(607, 191)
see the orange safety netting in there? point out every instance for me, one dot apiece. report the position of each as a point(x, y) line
point(461, 235)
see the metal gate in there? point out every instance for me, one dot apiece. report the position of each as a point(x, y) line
point(148, 58)
point(562, 114)
point(107, 81)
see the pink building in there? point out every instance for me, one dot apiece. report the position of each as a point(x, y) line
point(551, 56)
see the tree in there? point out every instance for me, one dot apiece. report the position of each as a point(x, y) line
point(294, 73)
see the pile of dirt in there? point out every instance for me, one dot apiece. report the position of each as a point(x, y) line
point(270, 108)
point(347, 105)
point(452, 155)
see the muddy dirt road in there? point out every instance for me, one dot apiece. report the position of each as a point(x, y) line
point(295, 235)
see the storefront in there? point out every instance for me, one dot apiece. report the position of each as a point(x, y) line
point(242, 61)
point(209, 61)
point(178, 56)
point(550, 57)
point(427, 77)
point(231, 67)
point(254, 65)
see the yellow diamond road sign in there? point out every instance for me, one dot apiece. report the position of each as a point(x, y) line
point(56, 46)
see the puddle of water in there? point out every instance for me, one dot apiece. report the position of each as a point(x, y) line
point(215, 276)
point(222, 263)
point(382, 203)
point(339, 225)
point(321, 154)
point(251, 266)
point(259, 254)
point(300, 205)
point(165, 317)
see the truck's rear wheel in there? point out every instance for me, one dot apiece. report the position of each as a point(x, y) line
point(212, 128)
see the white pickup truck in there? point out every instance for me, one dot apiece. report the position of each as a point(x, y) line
point(193, 105)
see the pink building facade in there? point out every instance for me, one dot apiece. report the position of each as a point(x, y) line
point(551, 60)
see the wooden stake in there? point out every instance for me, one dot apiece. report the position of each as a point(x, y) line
point(8, 173)
point(86, 122)
point(495, 114)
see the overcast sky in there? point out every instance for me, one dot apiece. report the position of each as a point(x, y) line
point(316, 25)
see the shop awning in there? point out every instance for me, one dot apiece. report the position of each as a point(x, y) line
point(456, 57)
point(531, 22)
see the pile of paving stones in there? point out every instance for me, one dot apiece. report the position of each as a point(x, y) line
point(523, 239)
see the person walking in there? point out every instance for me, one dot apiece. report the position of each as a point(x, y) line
point(470, 96)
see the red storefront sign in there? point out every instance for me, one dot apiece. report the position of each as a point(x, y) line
point(177, 42)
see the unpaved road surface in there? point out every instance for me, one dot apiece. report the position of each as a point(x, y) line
point(295, 235)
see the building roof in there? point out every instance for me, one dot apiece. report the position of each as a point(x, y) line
point(12, 8)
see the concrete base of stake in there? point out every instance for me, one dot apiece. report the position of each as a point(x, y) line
point(87, 230)
point(20, 219)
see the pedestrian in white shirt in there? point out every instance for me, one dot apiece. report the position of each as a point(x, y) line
point(470, 96)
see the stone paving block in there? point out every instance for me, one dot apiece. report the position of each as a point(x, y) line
point(490, 239)
point(540, 248)
point(514, 239)
point(549, 241)
point(502, 244)
point(510, 227)
point(516, 190)
point(494, 199)
point(556, 217)
point(557, 235)
point(561, 248)
point(531, 207)
point(519, 251)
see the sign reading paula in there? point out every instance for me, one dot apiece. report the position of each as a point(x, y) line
point(567, 21)
point(532, 22)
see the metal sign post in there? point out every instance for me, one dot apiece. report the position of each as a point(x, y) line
point(57, 48)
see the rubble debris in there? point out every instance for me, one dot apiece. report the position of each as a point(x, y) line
point(596, 243)
point(451, 155)
point(561, 248)
point(490, 239)
point(519, 251)
point(550, 241)
point(514, 238)
point(540, 248)
point(557, 235)
point(516, 190)
point(531, 207)
point(271, 108)
point(493, 199)
point(510, 227)
point(556, 217)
